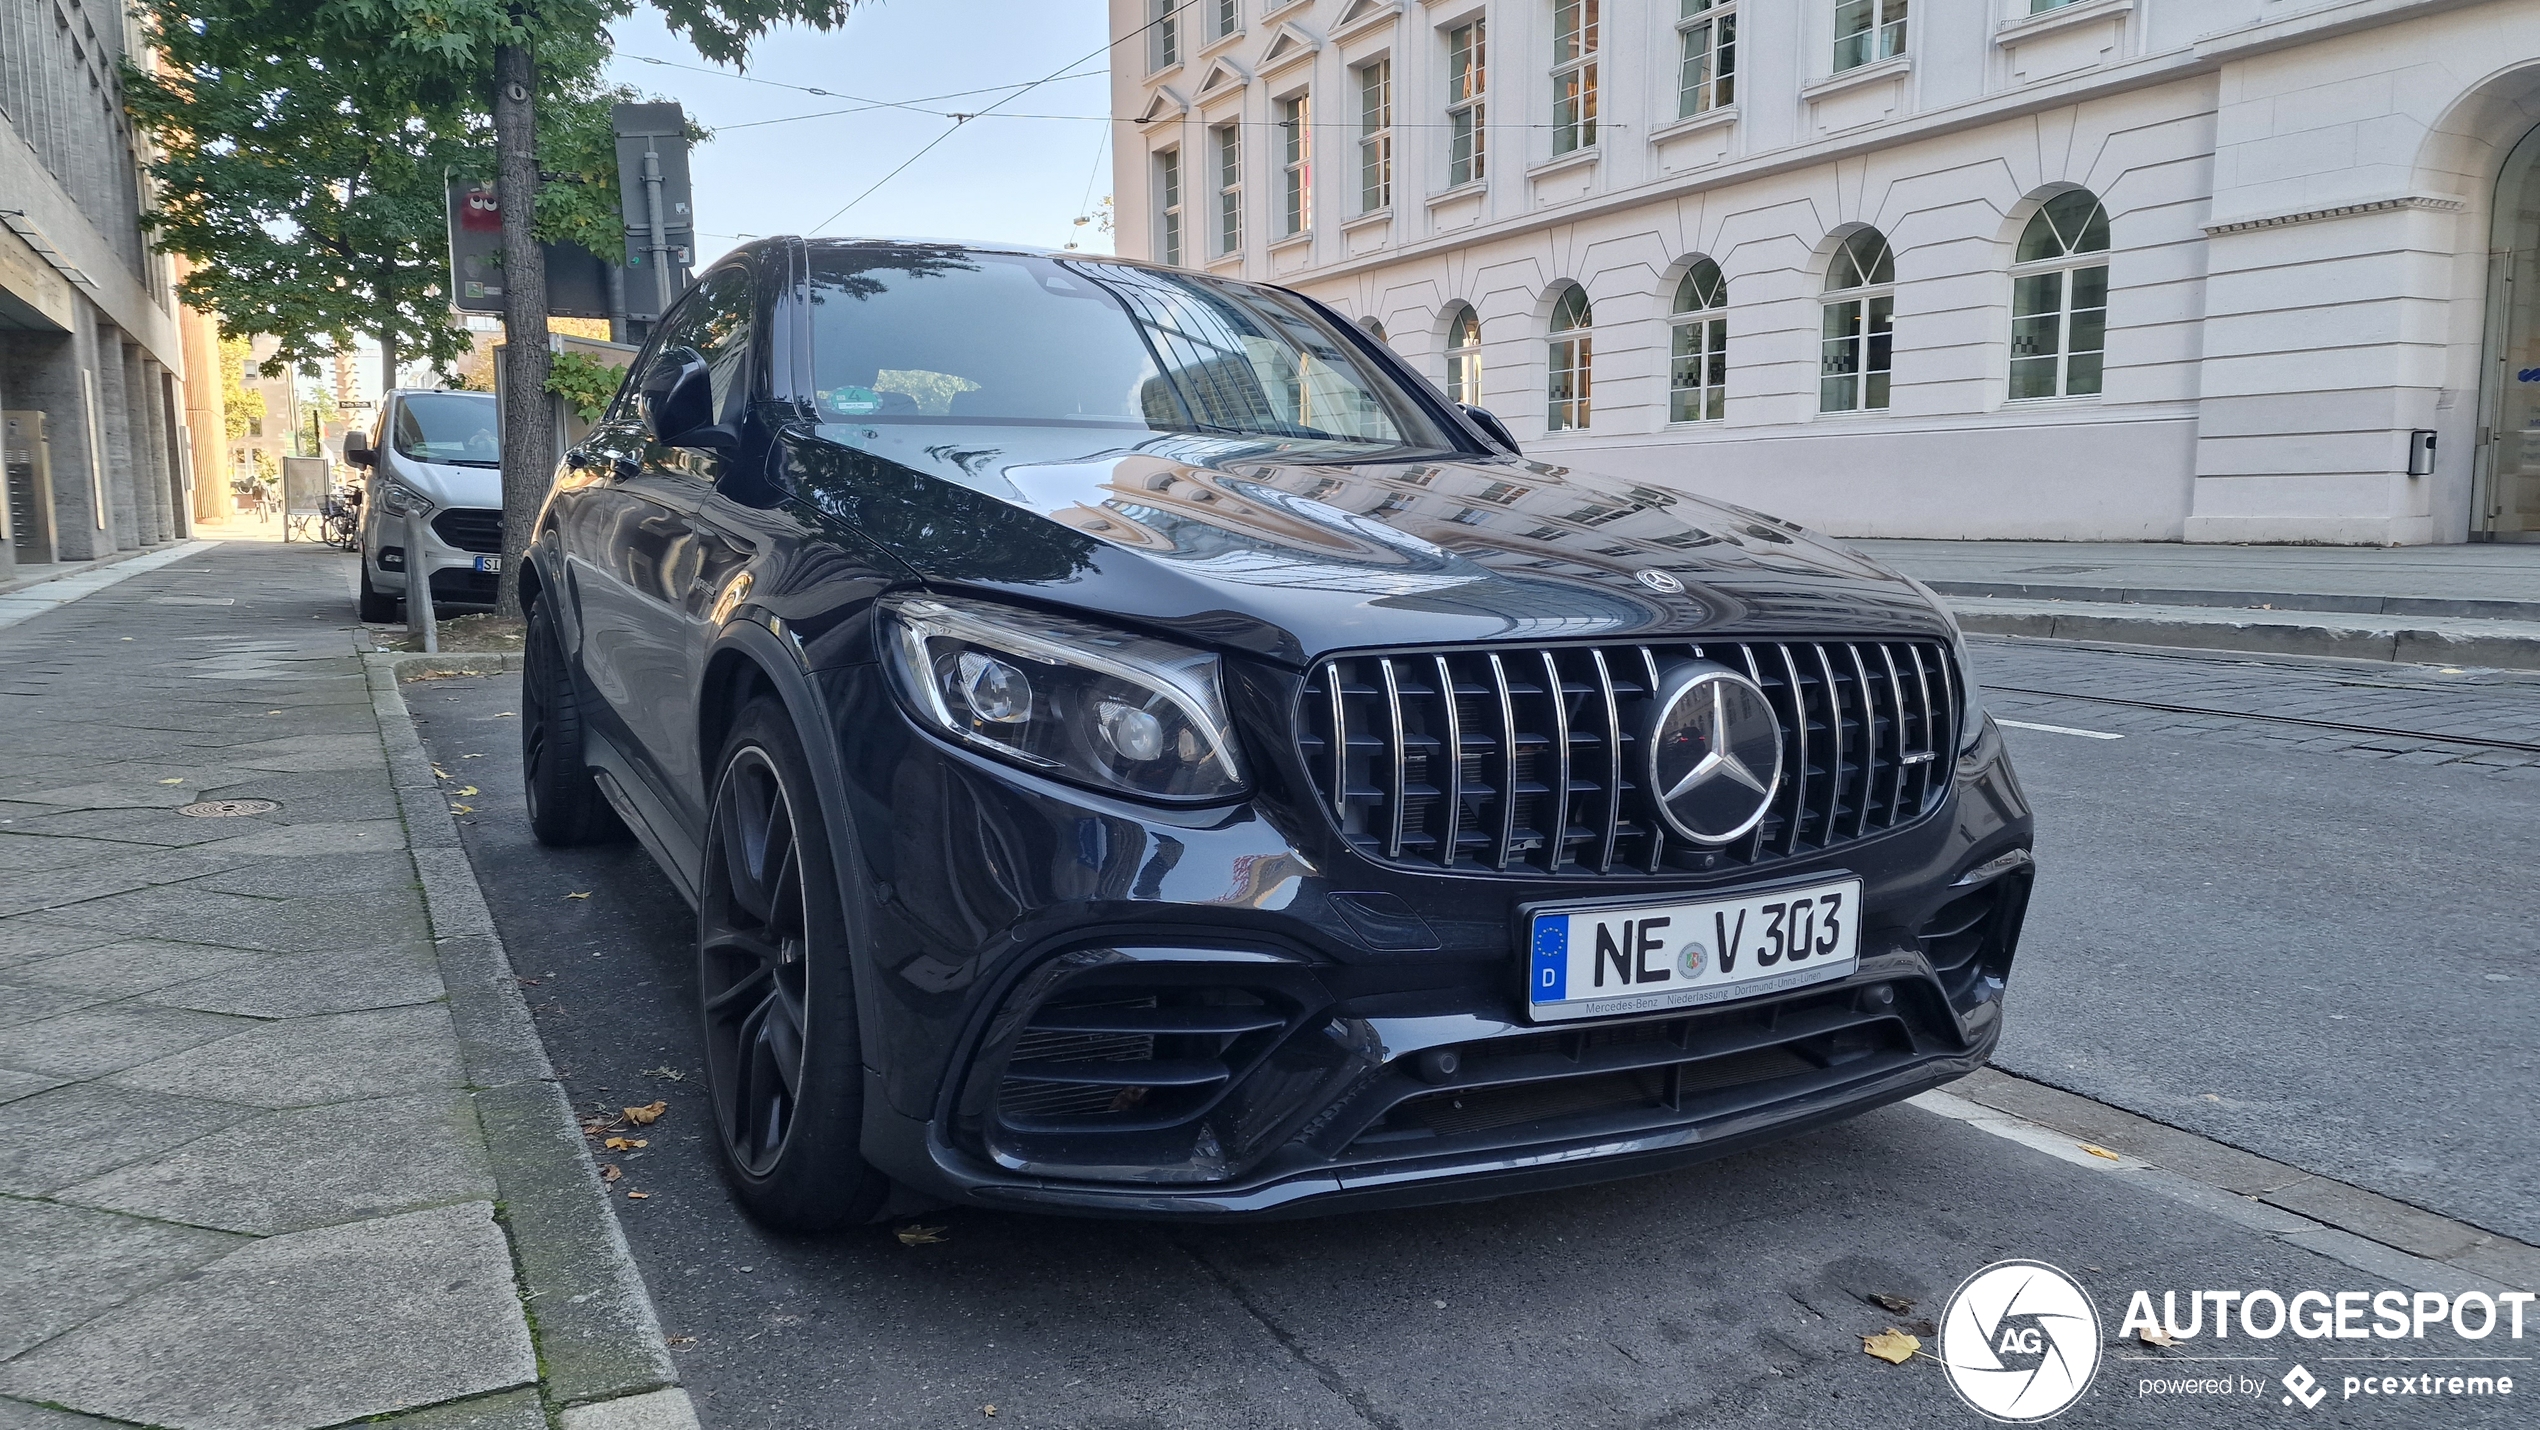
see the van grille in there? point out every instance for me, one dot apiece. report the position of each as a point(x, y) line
point(1519, 759)
point(471, 528)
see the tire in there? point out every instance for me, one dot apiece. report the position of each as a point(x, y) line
point(375, 606)
point(566, 807)
point(775, 988)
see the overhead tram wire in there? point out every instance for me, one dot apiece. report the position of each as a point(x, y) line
point(1101, 52)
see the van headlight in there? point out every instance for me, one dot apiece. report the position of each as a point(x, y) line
point(398, 499)
point(1123, 713)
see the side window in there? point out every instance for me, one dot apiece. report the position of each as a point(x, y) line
point(713, 320)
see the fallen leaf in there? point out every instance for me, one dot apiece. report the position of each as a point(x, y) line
point(609, 1171)
point(467, 789)
point(913, 1235)
point(462, 809)
point(439, 773)
point(502, 714)
point(583, 895)
point(679, 1340)
point(1891, 1345)
point(988, 1410)
point(479, 757)
point(638, 1196)
point(1899, 1304)
point(646, 1115)
point(180, 779)
point(2095, 1150)
point(666, 1070)
point(2155, 1336)
point(623, 1144)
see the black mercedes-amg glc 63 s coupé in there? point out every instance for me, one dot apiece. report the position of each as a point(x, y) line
point(1135, 748)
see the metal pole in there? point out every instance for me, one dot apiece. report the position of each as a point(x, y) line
point(419, 587)
point(660, 249)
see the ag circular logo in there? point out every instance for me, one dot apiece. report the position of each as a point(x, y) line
point(1714, 751)
point(2020, 1341)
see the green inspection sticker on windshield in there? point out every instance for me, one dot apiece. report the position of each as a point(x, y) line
point(852, 401)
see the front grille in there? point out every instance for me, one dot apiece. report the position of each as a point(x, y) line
point(459, 586)
point(1129, 1061)
point(1540, 781)
point(470, 528)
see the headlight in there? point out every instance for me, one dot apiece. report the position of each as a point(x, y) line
point(1971, 721)
point(398, 499)
point(1069, 698)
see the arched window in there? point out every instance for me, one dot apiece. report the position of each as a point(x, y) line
point(2059, 299)
point(1464, 355)
point(1573, 359)
point(1698, 357)
point(1859, 331)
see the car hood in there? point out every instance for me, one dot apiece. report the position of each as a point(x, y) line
point(449, 484)
point(1276, 548)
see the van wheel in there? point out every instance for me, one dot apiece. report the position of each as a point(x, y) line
point(376, 607)
point(775, 989)
point(565, 804)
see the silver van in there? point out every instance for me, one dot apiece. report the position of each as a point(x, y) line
point(439, 454)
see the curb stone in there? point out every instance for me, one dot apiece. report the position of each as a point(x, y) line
point(599, 1342)
point(2501, 645)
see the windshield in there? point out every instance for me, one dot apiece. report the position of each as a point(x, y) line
point(455, 427)
point(920, 333)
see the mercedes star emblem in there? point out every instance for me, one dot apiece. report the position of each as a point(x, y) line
point(1715, 752)
point(1659, 581)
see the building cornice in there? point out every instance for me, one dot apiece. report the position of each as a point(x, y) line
point(2430, 203)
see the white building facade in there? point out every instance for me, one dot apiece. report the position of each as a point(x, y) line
point(2204, 270)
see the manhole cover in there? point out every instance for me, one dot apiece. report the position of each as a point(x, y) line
point(228, 808)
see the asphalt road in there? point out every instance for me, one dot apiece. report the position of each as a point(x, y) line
point(2211, 900)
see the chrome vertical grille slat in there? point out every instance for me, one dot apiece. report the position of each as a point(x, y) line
point(1552, 732)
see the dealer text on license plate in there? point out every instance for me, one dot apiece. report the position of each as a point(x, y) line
point(1596, 962)
point(490, 564)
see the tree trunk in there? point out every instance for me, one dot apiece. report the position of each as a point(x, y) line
point(387, 327)
point(528, 416)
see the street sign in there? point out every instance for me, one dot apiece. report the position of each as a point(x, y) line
point(653, 196)
point(577, 278)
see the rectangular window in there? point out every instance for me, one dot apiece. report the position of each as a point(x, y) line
point(1573, 75)
point(1168, 193)
point(2059, 332)
point(1164, 34)
point(1706, 63)
point(1572, 367)
point(1467, 73)
point(1858, 341)
point(1375, 136)
point(1229, 18)
point(1296, 124)
point(1698, 371)
point(2040, 7)
point(1230, 188)
point(1866, 30)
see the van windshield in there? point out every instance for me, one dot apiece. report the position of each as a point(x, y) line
point(460, 428)
point(933, 334)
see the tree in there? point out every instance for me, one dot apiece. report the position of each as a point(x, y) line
point(517, 33)
point(241, 406)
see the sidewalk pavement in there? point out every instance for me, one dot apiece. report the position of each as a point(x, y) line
point(280, 1147)
point(2476, 604)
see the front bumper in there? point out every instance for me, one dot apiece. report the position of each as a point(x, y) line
point(450, 568)
point(1276, 1026)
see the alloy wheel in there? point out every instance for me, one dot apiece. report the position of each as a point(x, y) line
point(752, 971)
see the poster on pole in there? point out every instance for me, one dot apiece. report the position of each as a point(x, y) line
point(577, 278)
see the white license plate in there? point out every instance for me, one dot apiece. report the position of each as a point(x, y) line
point(1599, 962)
point(490, 564)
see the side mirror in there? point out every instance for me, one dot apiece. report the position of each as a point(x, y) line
point(357, 449)
point(678, 402)
point(1493, 428)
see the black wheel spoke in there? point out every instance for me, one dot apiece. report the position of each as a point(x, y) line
point(752, 960)
point(751, 985)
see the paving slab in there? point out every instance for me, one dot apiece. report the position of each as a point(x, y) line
point(132, 966)
point(300, 985)
point(69, 1264)
point(301, 1062)
point(508, 1410)
point(15, 1084)
point(304, 1330)
point(42, 936)
point(288, 1171)
point(22, 1002)
point(18, 1415)
point(95, 1041)
point(332, 836)
point(82, 1130)
point(246, 921)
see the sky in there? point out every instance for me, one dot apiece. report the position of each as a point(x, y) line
point(1016, 180)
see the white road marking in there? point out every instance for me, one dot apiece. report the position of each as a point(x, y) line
point(2057, 729)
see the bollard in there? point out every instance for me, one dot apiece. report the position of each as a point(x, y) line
point(419, 587)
